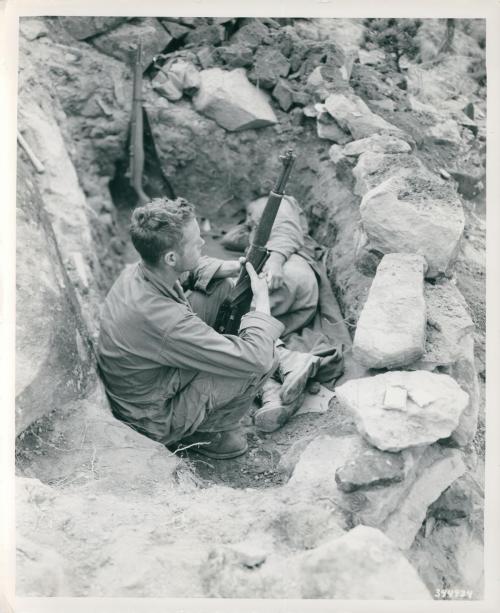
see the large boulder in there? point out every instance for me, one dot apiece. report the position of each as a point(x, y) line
point(232, 101)
point(390, 332)
point(53, 357)
point(375, 166)
point(66, 206)
point(410, 215)
point(449, 348)
point(353, 114)
point(85, 27)
point(121, 42)
point(429, 409)
point(362, 564)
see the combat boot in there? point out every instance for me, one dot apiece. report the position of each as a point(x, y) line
point(295, 369)
point(274, 412)
point(217, 445)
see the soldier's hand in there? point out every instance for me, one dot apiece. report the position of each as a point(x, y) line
point(273, 269)
point(257, 281)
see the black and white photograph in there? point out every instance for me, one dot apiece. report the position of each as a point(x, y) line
point(250, 305)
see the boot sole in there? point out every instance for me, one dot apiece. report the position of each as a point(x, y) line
point(228, 455)
point(273, 418)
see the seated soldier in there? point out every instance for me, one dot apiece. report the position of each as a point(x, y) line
point(167, 372)
point(300, 297)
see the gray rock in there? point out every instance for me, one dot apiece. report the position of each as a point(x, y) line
point(370, 469)
point(64, 202)
point(432, 409)
point(53, 355)
point(84, 27)
point(207, 56)
point(252, 34)
point(438, 470)
point(462, 500)
point(470, 183)
point(378, 143)
point(236, 56)
point(446, 133)
point(371, 58)
point(268, 66)
point(283, 92)
point(368, 170)
point(450, 348)
point(176, 30)
point(399, 218)
point(352, 114)
point(336, 153)
point(390, 332)
point(324, 79)
point(301, 98)
point(329, 129)
point(32, 28)
point(362, 564)
point(176, 78)
point(448, 325)
point(206, 35)
point(232, 101)
point(121, 42)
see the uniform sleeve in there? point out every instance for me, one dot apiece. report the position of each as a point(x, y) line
point(190, 343)
point(200, 277)
point(287, 236)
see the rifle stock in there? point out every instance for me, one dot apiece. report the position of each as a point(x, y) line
point(233, 308)
point(137, 134)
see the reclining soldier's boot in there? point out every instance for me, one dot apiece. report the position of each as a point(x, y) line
point(217, 445)
point(295, 369)
point(274, 412)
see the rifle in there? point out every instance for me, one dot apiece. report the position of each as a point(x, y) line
point(137, 135)
point(238, 303)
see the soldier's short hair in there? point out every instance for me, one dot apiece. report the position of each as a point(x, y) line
point(157, 227)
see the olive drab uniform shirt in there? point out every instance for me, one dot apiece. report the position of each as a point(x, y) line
point(152, 344)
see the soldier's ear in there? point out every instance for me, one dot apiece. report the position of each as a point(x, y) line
point(170, 258)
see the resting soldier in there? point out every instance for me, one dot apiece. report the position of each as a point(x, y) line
point(167, 372)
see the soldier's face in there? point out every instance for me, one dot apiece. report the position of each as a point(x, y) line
point(190, 252)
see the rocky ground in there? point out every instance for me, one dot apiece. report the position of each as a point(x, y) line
point(370, 497)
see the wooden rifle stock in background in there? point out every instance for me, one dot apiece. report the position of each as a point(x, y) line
point(137, 131)
point(233, 308)
point(145, 169)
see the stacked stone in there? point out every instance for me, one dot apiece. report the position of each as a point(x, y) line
point(415, 337)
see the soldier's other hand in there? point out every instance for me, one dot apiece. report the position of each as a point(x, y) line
point(274, 273)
